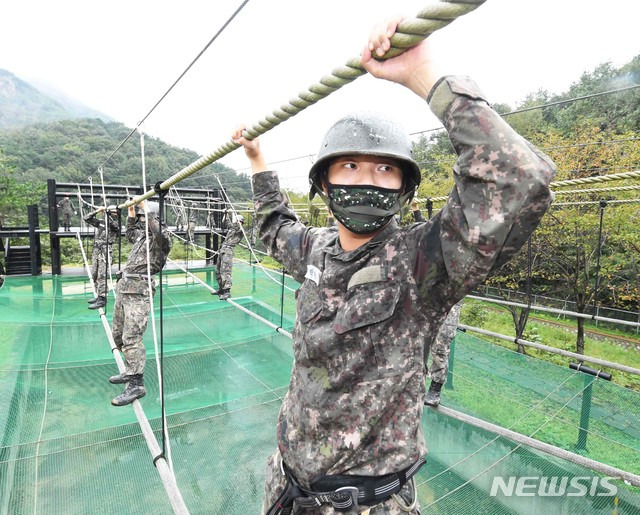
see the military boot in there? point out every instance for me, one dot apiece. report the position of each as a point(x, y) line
point(99, 303)
point(433, 394)
point(134, 390)
point(91, 301)
point(120, 379)
point(224, 294)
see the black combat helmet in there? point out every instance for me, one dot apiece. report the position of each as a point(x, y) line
point(367, 134)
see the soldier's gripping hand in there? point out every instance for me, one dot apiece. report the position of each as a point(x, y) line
point(251, 149)
point(415, 69)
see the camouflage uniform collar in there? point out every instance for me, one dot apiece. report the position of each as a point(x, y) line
point(335, 250)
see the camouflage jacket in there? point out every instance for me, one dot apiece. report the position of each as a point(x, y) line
point(67, 206)
point(357, 384)
point(159, 247)
point(234, 234)
point(193, 212)
point(101, 234)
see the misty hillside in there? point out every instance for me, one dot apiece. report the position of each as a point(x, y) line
point(22, 104)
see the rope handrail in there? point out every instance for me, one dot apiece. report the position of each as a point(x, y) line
point(409, 33)
point(554, 350)
point(535, 307)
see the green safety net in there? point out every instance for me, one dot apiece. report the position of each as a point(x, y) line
point(64, 449)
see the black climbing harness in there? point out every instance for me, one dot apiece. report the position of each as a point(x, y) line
point(343, 492)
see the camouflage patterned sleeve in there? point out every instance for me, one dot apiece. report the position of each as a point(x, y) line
point(500, 194)
point(417, 216)
point(92, 220)
point(113, 226)
point(132, 231)
point(284, 236)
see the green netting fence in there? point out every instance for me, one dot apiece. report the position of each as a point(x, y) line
point(64, 449)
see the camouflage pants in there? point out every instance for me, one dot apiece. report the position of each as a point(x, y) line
point(66, 219)
point(130, 318)
point(275, 483)
point(223, 270)
point(192, 230)
point(442, 346)
point(99, 270)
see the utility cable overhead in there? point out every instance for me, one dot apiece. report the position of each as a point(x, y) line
point(551, 104)
point(220, 30)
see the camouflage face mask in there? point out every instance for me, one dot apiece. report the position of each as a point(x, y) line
point(363, 209)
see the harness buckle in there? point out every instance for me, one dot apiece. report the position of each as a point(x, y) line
point(345, 498)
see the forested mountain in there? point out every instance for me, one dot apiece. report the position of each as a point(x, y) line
point(72, 150)
point(23, 104)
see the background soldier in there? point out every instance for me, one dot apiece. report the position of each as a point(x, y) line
point(441, 346)
point(373, 294)
point(101, 255)
point(68, 209)
point(193, 221)
point(440, 349)
point(131, 310)
point(180, 218)
point(225, 261)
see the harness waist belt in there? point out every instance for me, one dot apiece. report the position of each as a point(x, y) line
point(135, 276)
point(343, 492)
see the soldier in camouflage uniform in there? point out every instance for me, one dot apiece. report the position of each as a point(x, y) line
point(373, 294)
point(440, 355)
point(225, 260)
point(193, 221)
point(102, 243)
point(68, 209)
point(442, 343)
point(131, 310)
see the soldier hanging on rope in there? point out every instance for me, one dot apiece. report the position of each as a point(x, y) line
point(68, 209)
point(374, 294)
point(132, 307)
point(102, 243)
point(225, 259)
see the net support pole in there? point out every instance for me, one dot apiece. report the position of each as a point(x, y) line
point(552, 450)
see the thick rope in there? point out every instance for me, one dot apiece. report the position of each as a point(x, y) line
point(597, 190)
point(409, 33)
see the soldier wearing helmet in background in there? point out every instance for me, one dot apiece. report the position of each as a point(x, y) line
point(193, 221)
point(225, 260)
point(104, 238)
point(374, 294)
point(132, 307)
point(441, 346)
point(68, 209)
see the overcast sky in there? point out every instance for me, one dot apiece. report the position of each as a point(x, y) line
point(120, 57)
